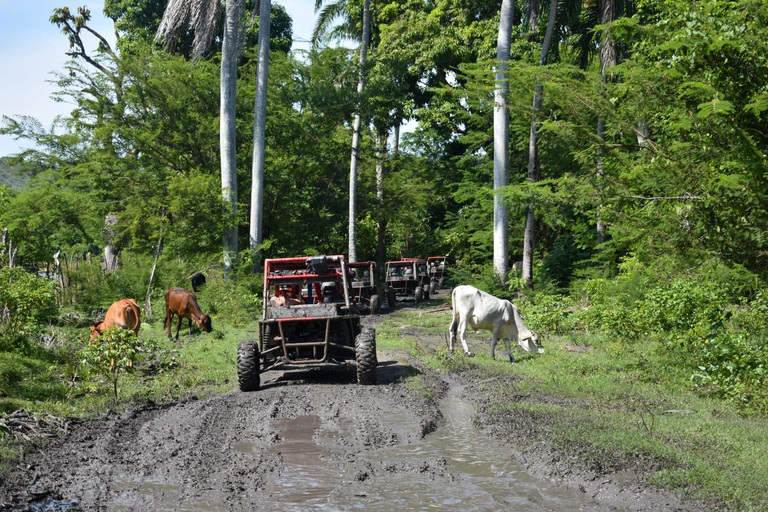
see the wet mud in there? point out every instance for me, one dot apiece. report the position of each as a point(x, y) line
point(308, 440)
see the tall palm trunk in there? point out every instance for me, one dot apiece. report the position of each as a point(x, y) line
point(259, 130)
point(229, 54)
point(353, 165)
point(533, 152)
point(381, 222)
point(501, 143)
point(608, 59)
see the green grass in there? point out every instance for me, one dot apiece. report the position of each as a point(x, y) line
point(52, 383)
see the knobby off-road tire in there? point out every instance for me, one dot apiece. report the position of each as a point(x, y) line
point(418, 293)
point(375, 305)
point(343, 333)
point(248, 366)
point(441, 282)
point(433, 287)
point(391, 298)
point(365, 356)
point(266, 339)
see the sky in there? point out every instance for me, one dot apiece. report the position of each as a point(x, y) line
point(32, 48)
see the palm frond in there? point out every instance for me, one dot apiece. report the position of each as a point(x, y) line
point(325, 20)
point(202, 16)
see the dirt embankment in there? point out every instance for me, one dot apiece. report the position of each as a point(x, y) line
point(230, 452)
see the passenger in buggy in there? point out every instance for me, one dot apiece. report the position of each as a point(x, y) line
point(330, 292)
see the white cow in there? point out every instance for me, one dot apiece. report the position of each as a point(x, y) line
point(482, 311)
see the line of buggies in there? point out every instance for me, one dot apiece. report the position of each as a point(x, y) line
point(312, 307)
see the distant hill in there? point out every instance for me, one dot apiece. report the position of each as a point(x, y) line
point(11, 177)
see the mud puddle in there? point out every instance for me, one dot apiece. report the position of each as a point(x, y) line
point(457, 467)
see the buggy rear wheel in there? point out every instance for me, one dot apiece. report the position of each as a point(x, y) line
point(375, 306)
point(391, 298)
point(365, 356)
point(248, 366)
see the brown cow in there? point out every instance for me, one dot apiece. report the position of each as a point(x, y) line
point(124, 314)
point(182, 302)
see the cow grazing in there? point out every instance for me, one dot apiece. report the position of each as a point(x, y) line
point(482, 311)
point(182, 302)
point(198, 280)
point(124, 314)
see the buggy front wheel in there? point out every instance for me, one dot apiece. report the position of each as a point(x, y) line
point(248, 366)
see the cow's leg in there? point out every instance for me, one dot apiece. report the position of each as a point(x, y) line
point(463, 335)
point(168, 320)
point(494, 339)
point(508, 346)
point(452, 332)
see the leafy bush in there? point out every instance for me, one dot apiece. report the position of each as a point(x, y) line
point(545, 313)
point(734, 367)
point(26, 302)
point(114, 352)
point(234, 303)
point(684, 305)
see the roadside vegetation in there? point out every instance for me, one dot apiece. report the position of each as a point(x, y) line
point(663, 406)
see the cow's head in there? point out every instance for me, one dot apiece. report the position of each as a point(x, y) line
point(205, 323)
point(531, 343)
point(526, 338)
point(95, 329)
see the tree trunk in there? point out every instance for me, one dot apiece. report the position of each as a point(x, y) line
point(229, 55)
point(110, 257)
point(259, 131)
point(353, 164)
point(608, 59)
point(533, 152)
point(601, 236)
point(501, 143)
point(147, 298)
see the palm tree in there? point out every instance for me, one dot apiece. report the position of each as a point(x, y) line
point(323, 27)
point(501, 142)
point(609, 12)
point(259, 128)
point(533, 151)
point(203, 17)
point(230, 50)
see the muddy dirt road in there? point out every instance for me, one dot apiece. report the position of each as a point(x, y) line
point(308, 440)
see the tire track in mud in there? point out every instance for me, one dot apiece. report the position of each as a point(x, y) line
point(218, 453)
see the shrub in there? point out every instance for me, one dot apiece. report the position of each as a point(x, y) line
point(236, 303)
point(735, 367)
point(26, 302)
point(545, 313)
point(114, 352)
